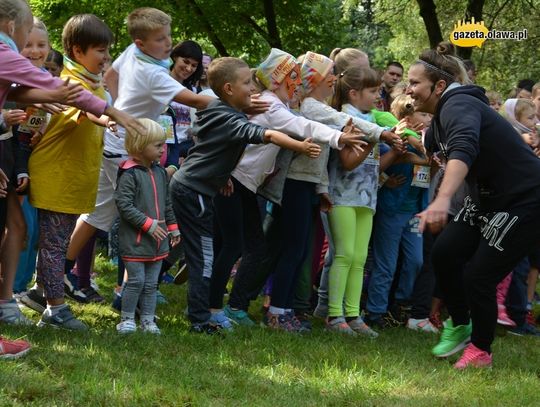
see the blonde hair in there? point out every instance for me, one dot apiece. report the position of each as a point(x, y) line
point(135, 143)
point(344, 57)
point(535, 90)
point(259, 87)
point(402, 107)
point(494, 96)
point(522, 105)
point(223, 70)
point(144, 20)
point(40, 25)
point(15, 10)
point(399, 89)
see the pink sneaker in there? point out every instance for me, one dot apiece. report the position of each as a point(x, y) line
point(503, 318)
point(13, 349)
point(472, 356)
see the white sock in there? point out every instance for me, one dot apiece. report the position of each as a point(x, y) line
point(276, 310)
point(52, 310)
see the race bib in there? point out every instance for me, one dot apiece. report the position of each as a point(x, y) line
point(166, 122)
point(36, 119)
point(421, 176)
point(383, 177)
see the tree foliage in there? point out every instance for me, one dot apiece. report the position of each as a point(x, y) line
point(385, 29)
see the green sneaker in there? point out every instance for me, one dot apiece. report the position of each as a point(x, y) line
point(453, 339)
point(238, 316)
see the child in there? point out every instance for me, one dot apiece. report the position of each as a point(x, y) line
point(54, 62)
point(38, 87)
point(238, 214)
point(495, 99)
point(143, 203)
point(64, 165)
point(222, 132)
point(402, 108)
point(535, 95)
point(354, 181)
point(28, 133)
point(140, 82)
point(521, 114)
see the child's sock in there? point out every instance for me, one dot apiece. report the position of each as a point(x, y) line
point(349, 319)
point(276, 310)
point(52, 310)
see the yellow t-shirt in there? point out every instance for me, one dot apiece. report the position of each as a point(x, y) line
point(64, 165)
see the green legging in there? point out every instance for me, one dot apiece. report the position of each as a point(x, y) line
point(351, 229)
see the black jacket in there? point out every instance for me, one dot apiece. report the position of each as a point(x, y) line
point(222, 134)
point(502, 168)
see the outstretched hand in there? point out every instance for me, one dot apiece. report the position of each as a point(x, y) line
point(311, 149)
point(351, 137)
point(257, 106)
point(14, 116)
point(68, 92)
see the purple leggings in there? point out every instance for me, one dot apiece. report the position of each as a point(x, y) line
point(55, 230)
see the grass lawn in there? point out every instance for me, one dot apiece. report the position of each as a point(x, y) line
point(252, 367)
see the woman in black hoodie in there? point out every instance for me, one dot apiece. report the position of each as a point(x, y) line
point(498, 224)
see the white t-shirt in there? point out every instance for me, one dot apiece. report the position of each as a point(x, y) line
point(144, 90)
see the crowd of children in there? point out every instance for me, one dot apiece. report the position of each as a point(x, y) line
point(309, 171)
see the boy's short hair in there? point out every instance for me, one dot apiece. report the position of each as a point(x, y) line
point(16, 10)
point(135, 143)
point(85, 31)
point(494, 96)
point(535, 90)
point(144, 20)
point(223, 70)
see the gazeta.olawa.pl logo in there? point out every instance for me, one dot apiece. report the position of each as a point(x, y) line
point(473, 34)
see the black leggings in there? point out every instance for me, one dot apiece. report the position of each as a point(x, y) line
point(491, 244)
point(239, 223)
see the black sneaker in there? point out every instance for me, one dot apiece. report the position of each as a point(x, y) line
point(380, 322)
point(524, 330)
point(207, 328)
point(33, 300)
point(182, 274)
point(71, 288)
point(92, 295)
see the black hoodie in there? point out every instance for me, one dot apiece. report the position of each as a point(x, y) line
point(502, 168)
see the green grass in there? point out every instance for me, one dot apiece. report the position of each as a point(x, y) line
point(252, 367)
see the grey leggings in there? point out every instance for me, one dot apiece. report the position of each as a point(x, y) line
point(141, 288)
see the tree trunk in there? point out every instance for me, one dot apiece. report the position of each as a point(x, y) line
point(429, 15)
point(216, 42)
point(474, 9)
point(274, 38)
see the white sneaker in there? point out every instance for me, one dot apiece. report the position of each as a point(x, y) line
point(126, 326)
point(11, 314)
point(150, 327)
point(423, 325)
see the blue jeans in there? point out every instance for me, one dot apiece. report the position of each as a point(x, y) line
point(328, 260)
point(516, 299)
point(390, 232)
point(28, 257)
